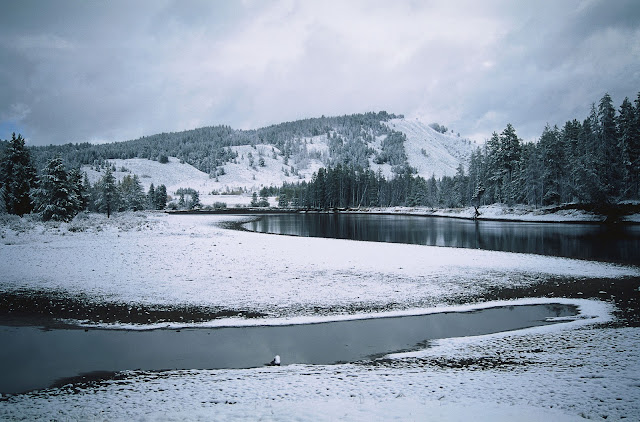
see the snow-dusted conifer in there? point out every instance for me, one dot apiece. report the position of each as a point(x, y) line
point(54, 197)
point(151, 197)
point(107, 193)
point(160, 199)
point(132, 195)
point(17, 176)
point(78, 185)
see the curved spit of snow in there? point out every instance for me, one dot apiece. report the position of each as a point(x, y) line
point(188, 259)
point(589, 312)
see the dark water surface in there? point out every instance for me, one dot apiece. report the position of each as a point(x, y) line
point(32, 358)
point(612, 243)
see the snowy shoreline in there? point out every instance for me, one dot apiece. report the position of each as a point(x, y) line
point(495, 212)
point(579, 369)
point(589, 312)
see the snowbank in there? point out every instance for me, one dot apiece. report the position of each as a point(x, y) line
point(501, 212)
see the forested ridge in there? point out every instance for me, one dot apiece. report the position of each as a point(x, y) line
point(596, 161)
point(208, 148)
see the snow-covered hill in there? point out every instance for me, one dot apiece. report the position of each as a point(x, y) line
point(263, 165)
point(431, 152)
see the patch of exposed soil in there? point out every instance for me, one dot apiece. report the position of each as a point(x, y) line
point(50, 309)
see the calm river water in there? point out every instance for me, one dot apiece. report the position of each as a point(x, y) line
point(32, 358)
point(612, 243)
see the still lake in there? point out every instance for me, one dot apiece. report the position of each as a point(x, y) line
point(612, 243)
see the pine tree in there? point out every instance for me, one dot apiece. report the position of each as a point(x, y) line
point(160, 201)
point(321, 189)
point(89, 191)
point(195, 199)
point(552, 155)
point(626, 129)
point(17, 177)
point(590, 185)
point(510, 158)
point(634, 150)
point(493, 152)
point(283, 200)
point(264, 198)
point(77, 183)
point(55, 198)
point(132, 195)
point(610, 157)
point(151, 197)
point(570, 134)
point(107, 193)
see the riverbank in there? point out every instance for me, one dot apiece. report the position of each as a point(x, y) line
point(189, 262)
point(567, 213)
point(570, 213)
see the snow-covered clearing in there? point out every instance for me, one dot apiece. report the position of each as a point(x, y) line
point(233, 188)
point(562, 372)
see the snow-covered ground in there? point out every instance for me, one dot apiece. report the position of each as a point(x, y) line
point(188, 259)
point(563, 372)
point(234, 188)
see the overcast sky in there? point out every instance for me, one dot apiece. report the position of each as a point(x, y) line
point(98, 71)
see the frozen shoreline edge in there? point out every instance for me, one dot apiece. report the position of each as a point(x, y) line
point(589, 312)
point(460, 214)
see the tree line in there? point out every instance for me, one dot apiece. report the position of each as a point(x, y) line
point(595, 161)
point(57, 194)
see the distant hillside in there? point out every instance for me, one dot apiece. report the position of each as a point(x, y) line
point(431, 152)
point(222, 159)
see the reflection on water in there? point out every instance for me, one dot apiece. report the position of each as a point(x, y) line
point(32, 358)
point(614, 243)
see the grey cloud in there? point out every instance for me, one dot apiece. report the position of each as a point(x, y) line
point(81, 71)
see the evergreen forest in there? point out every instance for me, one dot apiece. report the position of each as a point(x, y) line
point(593, 161)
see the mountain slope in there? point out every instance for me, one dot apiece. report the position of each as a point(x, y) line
point(431, 152)
point(223, 160)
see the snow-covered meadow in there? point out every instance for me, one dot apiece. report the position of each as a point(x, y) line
point(561, 372)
